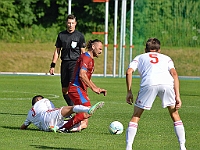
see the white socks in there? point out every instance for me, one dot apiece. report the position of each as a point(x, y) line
point(130, 134)
point(132, 130)
point(180, 133)
point(80, 108)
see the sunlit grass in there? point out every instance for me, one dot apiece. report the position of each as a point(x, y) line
point(155, 131)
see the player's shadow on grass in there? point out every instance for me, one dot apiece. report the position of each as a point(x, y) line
point(13, 114)
point(50, 147)
point(18, 128)
point(187, 94)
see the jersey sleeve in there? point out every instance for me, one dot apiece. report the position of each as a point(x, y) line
point(170, 64)
point(134, 63)
point(84, 63)
point(27, 122)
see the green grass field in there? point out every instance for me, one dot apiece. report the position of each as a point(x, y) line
point(155, 130)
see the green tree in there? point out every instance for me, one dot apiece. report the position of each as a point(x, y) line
point(9, 19)
point(175, 22)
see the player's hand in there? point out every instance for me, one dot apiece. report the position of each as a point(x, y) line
point(129, 98)
point(51, 71)
point(103, 91)
point(178, 102)
point(99, 91)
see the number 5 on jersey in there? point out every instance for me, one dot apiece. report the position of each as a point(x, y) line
point(154, 58)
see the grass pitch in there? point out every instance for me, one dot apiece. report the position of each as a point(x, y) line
point(155, 131)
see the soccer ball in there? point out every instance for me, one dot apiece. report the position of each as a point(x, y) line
point(116, 127)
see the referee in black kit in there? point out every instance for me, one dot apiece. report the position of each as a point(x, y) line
point(71, 44)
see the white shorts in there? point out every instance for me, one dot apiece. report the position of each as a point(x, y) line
point(52, 118)
point(147, 95)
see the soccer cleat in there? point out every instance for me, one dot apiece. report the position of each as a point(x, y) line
point(95, 107)
point(63, 130)
point(68, 118)
point(53, 128)
point(76, 128)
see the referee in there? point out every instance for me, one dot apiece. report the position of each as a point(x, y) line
point(71, 44)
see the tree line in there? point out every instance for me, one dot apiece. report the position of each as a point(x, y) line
point(175, 23)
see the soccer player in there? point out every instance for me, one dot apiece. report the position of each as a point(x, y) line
point(71, 43)
point(81, 80)
point(158, 78)
point(46, 117)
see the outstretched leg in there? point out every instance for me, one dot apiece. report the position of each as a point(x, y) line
point(68, 110)
point(83, 112)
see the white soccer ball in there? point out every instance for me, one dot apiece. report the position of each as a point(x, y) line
point(116, 127)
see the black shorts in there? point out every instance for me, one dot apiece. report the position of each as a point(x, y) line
point(66, 71)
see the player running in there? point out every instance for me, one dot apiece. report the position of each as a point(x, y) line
point(82, 80)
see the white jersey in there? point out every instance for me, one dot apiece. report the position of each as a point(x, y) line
point(153, 68)
point(37, 113)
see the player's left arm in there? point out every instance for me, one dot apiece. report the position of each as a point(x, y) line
point(100, 90)
point(83, 76)
point(176, 87)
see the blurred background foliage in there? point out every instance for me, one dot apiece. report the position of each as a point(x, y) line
point(175, 23)
point(29, 28)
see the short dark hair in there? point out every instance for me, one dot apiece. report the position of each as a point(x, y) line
point(35, 98)
point(70, 16)
point(152, 44)
point(90, 42)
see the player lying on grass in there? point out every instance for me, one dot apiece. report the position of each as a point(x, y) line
point(46, 117)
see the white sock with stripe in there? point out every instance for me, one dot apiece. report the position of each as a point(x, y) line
point(80, 108)
point(130, 134)
point(180, 133)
